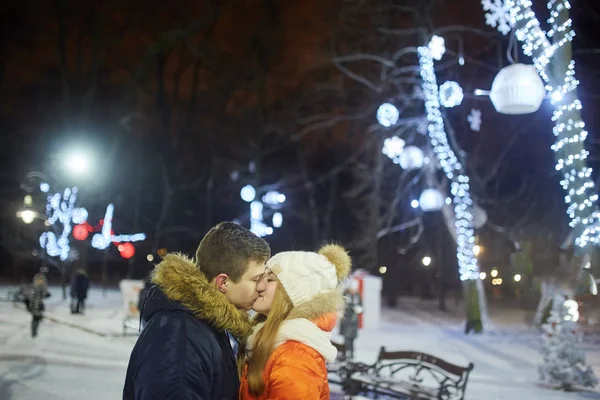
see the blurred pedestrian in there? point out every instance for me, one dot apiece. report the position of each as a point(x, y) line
point(349, 324)
point(35, 301)
point(80, 285)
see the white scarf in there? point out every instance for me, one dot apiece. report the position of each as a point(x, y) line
point(303, 331)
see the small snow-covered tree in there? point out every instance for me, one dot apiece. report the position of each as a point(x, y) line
point(563, 362)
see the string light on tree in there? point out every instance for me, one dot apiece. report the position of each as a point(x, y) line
point(569, 128)
point(467, 262)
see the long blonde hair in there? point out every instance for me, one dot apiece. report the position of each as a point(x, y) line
point(265, 339)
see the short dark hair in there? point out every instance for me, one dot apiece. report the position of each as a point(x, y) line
point(227, 249)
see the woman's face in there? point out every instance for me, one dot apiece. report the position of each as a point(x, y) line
point(266, 293)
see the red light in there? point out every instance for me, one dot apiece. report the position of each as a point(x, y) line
point(80, 232)
point(127, 250)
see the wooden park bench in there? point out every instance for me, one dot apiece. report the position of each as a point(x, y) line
point(406, 375)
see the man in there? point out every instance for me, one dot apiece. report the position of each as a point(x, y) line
point(184, 351)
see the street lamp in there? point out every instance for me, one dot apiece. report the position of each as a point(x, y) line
point(78, 162)
point(28, 216)
point(426, 261)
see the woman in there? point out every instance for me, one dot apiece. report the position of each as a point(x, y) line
point(35, 301)
point(297, 310)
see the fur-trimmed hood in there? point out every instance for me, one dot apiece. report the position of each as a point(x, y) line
point(181, 281)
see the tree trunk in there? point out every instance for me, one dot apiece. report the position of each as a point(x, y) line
point(311, 198)
point(474, 292)
point(64, 279)
point(473, 306)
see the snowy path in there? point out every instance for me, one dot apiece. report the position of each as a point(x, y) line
point(61, 364)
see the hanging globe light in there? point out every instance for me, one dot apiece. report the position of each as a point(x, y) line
point(517, 89)
point(411, 158)
point(431, 200)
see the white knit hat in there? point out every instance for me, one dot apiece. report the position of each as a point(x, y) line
point(305, 274)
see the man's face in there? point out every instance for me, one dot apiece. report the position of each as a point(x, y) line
point(244, 293)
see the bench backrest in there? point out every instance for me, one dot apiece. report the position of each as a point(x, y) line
point(422, 368)
point(423, 358)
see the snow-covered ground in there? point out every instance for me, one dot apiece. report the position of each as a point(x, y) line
point(78, 357)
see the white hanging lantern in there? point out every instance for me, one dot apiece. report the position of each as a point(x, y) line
point(431, 200)
point(517, 89)
point(411, 158)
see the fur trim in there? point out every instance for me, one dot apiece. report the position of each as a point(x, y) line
point(321, 304)
point(183, 282)
point(338, 256)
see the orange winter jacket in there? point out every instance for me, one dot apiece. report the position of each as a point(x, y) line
point(294, 370)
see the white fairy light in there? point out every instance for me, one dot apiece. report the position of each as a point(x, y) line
point(474, 119)
point(272, 198)
point(393, 147)
point(387, 115)
point(451, 94)
point(277, 220)
point(102, 240)
point(59, 208)
point(569, 128)
point(248, 193)
point(467, 262)
point(437, 47)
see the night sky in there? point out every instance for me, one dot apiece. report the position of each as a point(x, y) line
point(173, 99)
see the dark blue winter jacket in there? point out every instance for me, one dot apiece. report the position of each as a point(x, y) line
point(184, 352)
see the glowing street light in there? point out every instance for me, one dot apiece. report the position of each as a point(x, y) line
point(426, 261)
point(78, 162)
point(517, 278)
point(477, 250)
point(482, 275)
point(28, 216)
point(382, 270)
point(494, 273)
